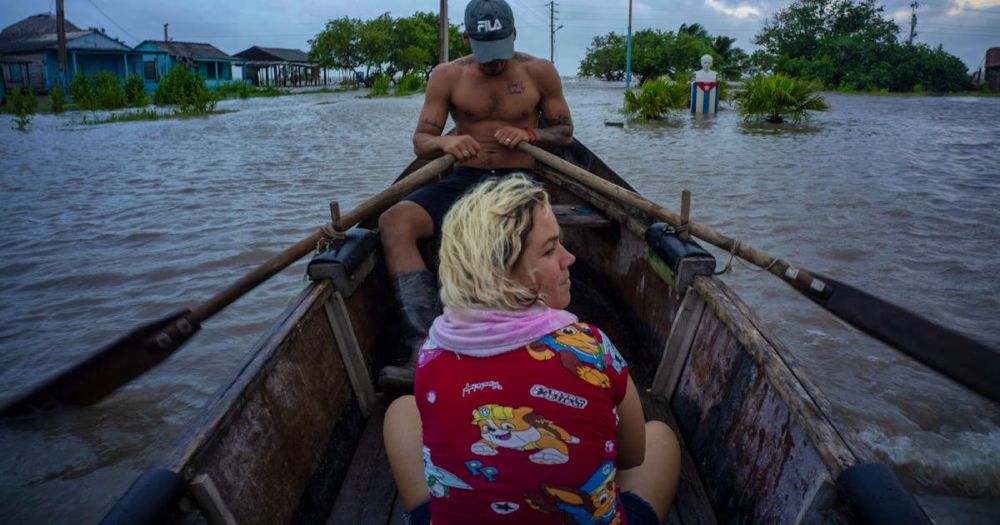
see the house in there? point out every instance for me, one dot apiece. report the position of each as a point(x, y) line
point(992, 75)
point(281, 67)
point(29, 54)
point(160, 56)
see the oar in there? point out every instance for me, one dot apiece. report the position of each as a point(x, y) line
point(955, 355)
point(143, 348)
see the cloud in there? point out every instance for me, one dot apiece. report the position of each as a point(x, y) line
point(747, 11)
point(962, 5)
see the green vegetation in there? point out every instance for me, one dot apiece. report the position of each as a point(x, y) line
point(237, 89)
point(151, 114)
point(135, 91)
point(58, 99)
point(656, 97)
point(777, 97)
point(185, 90)
point(380, 86)
point(410, 83)
point(657, 53)
point(108, 91)
point(383, 45)
point(848, 44)
point(105, 91)
point(22, 104)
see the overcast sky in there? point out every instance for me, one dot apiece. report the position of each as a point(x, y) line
point(966, 28)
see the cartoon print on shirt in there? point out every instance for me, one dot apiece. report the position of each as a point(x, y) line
point(521, 429)
point(593, 503)
point(581, 351)
point(440, 481)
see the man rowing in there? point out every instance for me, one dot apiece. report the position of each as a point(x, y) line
point(494, 96)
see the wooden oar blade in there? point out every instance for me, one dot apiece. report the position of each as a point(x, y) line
point(955, 355)
point(107, 369)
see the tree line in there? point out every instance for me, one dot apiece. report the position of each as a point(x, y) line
point(384, 45)
point(842, 44)
point(657, 53)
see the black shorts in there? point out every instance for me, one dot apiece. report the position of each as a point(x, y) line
point(437, 197)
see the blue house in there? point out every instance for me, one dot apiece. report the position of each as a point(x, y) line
point(29, 54)
point(159, 57)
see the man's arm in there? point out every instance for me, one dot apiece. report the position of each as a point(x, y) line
point(558, 130)
point(427, 140)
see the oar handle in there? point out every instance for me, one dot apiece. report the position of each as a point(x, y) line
point(955, 355)
point(367, 209)
point(800, 278)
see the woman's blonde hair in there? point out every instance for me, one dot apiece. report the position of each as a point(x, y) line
point(482, 238)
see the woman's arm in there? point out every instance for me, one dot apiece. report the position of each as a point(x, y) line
point(631, 430)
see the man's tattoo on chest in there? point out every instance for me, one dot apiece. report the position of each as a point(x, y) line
point(515, 87)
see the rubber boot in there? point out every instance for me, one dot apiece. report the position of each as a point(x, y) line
point(419, 305)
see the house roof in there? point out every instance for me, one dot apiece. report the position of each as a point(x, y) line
point(275, 54)
point(189, 49)
point(35, 25)
point(38, 32)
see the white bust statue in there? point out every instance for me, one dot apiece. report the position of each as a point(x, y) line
point(705, 74)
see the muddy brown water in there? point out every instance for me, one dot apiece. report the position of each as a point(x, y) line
point(104, 227)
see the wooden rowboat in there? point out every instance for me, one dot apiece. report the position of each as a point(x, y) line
point(295, 434)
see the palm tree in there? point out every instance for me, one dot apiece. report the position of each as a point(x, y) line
point(775, 97)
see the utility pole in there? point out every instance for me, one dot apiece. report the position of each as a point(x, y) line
point(913, 22)
point(61, 37)
point(628, 51)
point(444, 32)
point(552, 31)
point(166, 37)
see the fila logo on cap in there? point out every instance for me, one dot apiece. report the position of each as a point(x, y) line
point(486, 25)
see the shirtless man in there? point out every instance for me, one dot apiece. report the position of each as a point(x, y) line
point(494, 96)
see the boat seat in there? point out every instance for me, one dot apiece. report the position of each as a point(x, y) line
point(685, 259)
point(580, 215)
point(347, 263)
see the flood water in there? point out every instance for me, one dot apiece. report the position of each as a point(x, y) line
point(105, 227)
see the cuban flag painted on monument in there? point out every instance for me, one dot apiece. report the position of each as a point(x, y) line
point(704, 97)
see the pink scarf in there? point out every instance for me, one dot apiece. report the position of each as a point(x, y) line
point(482, 333)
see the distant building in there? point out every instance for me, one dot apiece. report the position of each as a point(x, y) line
point(159, 57)
point(991, 75)
point(29, 54)
point(273, 66)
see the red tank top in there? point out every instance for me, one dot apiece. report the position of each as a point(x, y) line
point(527, 436)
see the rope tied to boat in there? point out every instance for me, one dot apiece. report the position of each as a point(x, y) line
point(331, 235)
point(732, 255)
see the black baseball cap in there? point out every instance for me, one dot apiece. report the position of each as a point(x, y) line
point(490, 24)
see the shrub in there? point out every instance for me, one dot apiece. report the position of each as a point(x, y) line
point(185, 90)
point(656, 98)
point(83, 91)
point(239, 88)
point(135, 91)
point(22, 104)
point(775, 97)
point(58, 99)
point(380, 86)
point(271, 91)
point(410, 83)
point(109, 91)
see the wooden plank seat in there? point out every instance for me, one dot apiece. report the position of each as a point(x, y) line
point(579, 215)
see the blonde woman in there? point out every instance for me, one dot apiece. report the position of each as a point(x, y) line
point(521, 413)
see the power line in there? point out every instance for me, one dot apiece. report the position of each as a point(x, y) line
point(122, 29)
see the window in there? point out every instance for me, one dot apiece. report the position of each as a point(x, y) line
point(15, 73)
point(149, 71)
point(210, 70)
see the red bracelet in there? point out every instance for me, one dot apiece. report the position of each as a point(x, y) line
point(532, 137)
